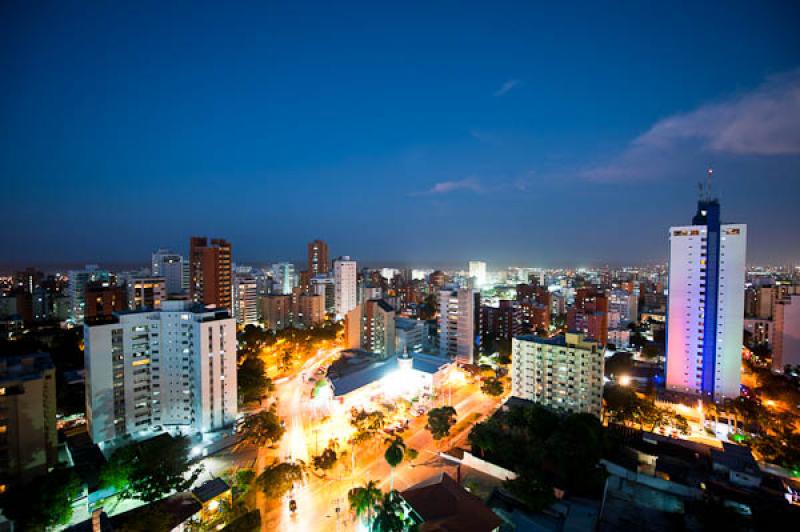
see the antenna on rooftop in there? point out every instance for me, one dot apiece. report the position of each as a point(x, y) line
point(705, 188)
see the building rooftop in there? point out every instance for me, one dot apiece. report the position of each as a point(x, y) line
point(24, 367)
point(210, 489)
point(444, 505)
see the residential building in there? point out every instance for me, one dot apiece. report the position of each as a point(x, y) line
point(623, 308)
point(284, 278)
point(501, 323)
point(345, 276)
point(245, 299)
point(706, 304)
point(410, 335)
point(76, 289)
point(458, 323)
point(589, 314)
point(563, 372)
point(276, 311)
point(326, 287)
point(210, 270)
point(786, 340)
point(317, 259)
point(375, 331)
point(169, 266)
point(173, 368)
point(146, 292)
point(103, 299)
point(309, 310)
point(28, 439)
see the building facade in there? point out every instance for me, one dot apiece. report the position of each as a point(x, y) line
point(210, 271)
point(345, 278)
point(564, 372)
point(458, 323)
point(174, 368)
point(146, 292)
point(170, 266)
point(28, 438)
point(706, 305)
point(786, 337)
point(245, 299)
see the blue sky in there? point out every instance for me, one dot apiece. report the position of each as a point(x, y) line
point(430, 132)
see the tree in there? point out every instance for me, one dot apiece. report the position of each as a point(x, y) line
point(391, 516)
point(279, 478)
point(367, 424)
point(394, 454)
point(151, 469)
point(286, 359)
point(440, 421)
point(252, 380)
point(363, 500)
point(532, 490)
point(44, 502)
point(681, 424)
point(650, 351)
point(263, 428)
point(482, 437)
point(326, 460)
point(492, 386)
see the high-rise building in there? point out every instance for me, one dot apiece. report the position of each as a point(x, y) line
point(280, 311)
point(103, 299)
point(169, 265)
point(623, 308)
point(284, 278)
point(245, 299)
point(210, 269)
point(28, 422)
point(786, 333)
point(410, 335)
point(371, 326)
point(501, 323)
point(345, 278)
point(317, 258)
point(706, 305)
point(76, 290)
point(146, 292)
point(174, 368)
point(276, 311)
point(477, 271)
point(325, 287)
point(309, 309)
point(458, 323)
point(589, 314)
point(564, 372)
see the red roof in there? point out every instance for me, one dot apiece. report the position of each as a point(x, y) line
point(446, 506)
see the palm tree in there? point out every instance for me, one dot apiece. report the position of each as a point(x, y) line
point(364, 499)
point(394, 455)
point(391, 516)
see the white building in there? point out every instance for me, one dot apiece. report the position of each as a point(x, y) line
point(705, 316)
point(345, 279)
point(564, 372)
point(410, 335)
point(170, 266)
point(786, 335)
point(458, 311)
point(284, 277)
point(477, 271)
point(173, 369)
point(245, 299)
point(623, 308)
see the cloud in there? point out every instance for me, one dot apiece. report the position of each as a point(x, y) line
point(446, 187)
point(764, 122)
point(507, 87)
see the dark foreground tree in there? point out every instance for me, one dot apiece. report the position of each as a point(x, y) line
point(262, 428)
point(440, 421)
point(279, 478)
point(44, 502)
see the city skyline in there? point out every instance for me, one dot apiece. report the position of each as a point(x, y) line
point(283, 122)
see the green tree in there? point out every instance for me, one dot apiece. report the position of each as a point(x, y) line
point(44, 502)
point(252, 380)
point(440, 421)
point(394, 454)
point(367, 424)
point(326, 460)
point(151, 469)
point(681, 424)
point(390, 516)
point(532, 490)
point(492, 386)
point(263, 428)
point(364, 499)
point(279, 478)
point(483, 437)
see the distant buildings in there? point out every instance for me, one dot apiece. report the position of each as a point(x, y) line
point(501, 323)
point(280, 311)
point(623, 308)
point(786, 338)
point(345, 278)
point(276, 311)
point(210, 270)
point(589, 314)
point(76, 290)
point(170, 266)
point(564, 372)
point(28, 439)
point(174, 368)
point(458, 323)
point(103, 299)
point(410, 334)
point(477, 271)
point(706, 305)
point(317, 259)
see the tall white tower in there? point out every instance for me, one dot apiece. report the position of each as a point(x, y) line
point(477, 270)
point(345, 277)
point(705, 312)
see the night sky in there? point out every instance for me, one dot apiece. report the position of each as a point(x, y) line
point(430, 132)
